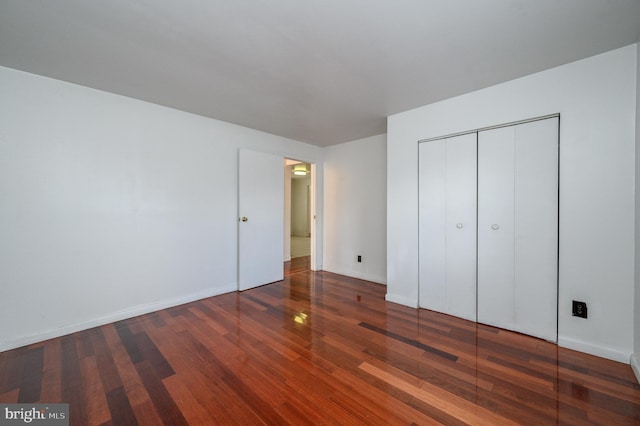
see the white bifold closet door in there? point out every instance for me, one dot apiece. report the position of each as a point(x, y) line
point(518, 228)
point(447, 197)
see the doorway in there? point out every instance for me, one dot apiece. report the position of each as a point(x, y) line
point(299, 217)
point(264, 219)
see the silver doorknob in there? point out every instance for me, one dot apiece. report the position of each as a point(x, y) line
point(244, 219)
point(459, 225)
point(495, 227)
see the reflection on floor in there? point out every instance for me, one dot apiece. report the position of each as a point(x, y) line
point(300, 246)
point(296, 265)
point(315, 348)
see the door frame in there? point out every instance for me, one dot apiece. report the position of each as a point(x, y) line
point(313, 264)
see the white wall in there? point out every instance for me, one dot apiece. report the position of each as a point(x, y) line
point(111, 207)
point(355, 209)
point(596, 100)
point(635, 359)
point(300, 225)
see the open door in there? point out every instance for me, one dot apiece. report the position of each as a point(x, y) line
point(261, 219)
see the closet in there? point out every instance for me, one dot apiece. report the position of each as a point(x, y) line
point(488, 226)
point(447, 218)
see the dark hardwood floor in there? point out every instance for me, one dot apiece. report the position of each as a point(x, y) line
point(316, 348)
point(296, 265)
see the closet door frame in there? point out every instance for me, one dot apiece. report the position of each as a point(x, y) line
point(554, 336)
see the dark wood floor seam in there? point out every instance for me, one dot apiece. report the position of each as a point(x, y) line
point(408, 341)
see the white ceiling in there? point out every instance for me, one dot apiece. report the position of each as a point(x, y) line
point(319, 71)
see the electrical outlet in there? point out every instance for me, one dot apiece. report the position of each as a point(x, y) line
point(579, 309)
point(359, 258)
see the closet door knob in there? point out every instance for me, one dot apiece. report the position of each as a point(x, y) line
point(459, 225)
point(495, 227)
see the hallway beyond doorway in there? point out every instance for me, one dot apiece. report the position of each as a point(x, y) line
point(300, 246)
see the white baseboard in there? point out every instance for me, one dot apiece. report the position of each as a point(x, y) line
point(401, 300)
point(635, 366)
point(593, 349)
point(355, 274)
point(113, 317)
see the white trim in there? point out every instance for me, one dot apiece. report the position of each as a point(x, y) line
point(594, 350)
point(497, 126)
point(313, 264)
point(362, 276)
point(635, 366)
point(401, 300)
point(116, 316)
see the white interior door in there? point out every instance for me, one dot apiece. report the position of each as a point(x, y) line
point(261, 219)
point(461, 225)
point(432, 231)
point(496, 227)
point(518, 228)
point(447, 231)
point(536, 231)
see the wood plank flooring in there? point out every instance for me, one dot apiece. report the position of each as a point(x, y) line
point(316, 348)
point(296, 265)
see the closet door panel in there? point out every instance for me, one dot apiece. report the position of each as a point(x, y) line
point(536, 228)
point(461, 226)
point(432, 224)
point(496, 227)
